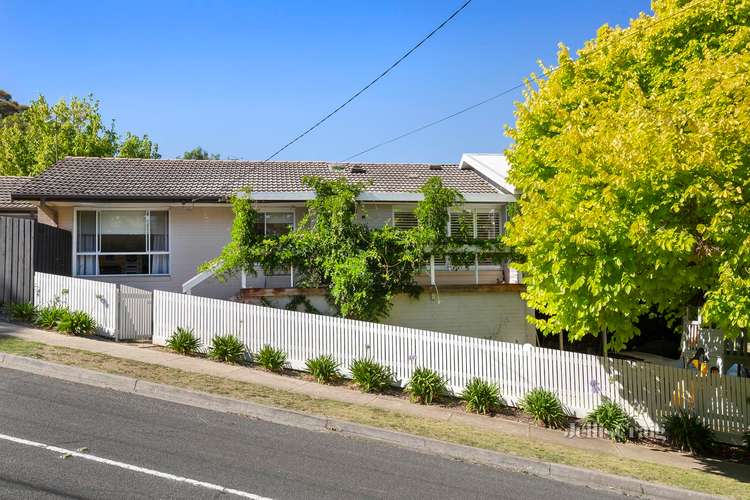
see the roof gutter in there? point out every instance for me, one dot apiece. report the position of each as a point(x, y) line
point(277, 196)
point(378, 196)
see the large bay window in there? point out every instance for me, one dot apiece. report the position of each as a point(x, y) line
point(110, 242)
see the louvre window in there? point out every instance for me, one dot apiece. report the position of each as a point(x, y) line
point(404, 219)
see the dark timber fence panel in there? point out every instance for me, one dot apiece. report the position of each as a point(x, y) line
point(53, 249)
point(27, 246)
point(16, 274)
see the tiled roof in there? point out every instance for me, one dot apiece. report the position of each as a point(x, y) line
point(9, 184)
point(139, 179)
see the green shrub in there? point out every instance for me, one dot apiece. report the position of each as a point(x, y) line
point(184, 341)
point(545, 407)
point(425, 385)
point(685, 431)
point(227, 348)
point(370, 376)
point(76, 323)
point(481, 396)
point(746, 441)
point(48, 317)
point(22, 311)
point(271, 359)
point(324, 368)
point(612, 418)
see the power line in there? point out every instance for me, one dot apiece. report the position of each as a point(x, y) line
point(511, 89)
point(432, 123)
point(381, 75)
point(361, 91)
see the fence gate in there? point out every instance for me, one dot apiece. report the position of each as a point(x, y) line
point(134, 313)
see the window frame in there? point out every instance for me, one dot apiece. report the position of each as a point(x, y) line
point(97, 253)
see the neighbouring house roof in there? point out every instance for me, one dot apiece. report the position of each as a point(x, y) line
point(9, 184)
point(128, 179)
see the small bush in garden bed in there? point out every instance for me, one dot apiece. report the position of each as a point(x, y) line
point(184, 341)
point(227, 348)
point(425, 385)
point(481, 396)
point(746, 441)
point(271, 359)
point(324, 368)
point(48, 317)
point(544, 407)
point(21, 311)
point(76, 323)
point(686, 432)
point(371, 376)
point(612, 418)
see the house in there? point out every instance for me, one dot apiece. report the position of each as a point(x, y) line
point(151, 223)
point(10, 208)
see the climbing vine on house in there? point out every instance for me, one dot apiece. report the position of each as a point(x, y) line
point(362, 267)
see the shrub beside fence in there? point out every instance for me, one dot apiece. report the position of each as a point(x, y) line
point(97, 298)
point(646, 391)
point(121, 312)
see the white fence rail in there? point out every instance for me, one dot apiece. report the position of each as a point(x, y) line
point(582, 381)
point(97, 298)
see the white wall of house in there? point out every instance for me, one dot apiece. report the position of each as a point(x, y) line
point(198, 233)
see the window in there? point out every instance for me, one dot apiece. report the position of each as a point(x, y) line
point(478, 223)
point(111, 242)
point(483, 224)
point(467, 223)
point(404, 218)
point(274, 223)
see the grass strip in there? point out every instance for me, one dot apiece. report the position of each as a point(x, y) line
point(707, 482)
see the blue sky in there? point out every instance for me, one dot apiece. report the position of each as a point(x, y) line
point(242, 78)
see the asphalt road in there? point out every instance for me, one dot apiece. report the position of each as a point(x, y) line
point(153, 445)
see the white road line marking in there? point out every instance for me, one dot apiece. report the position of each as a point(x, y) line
point(135, 468)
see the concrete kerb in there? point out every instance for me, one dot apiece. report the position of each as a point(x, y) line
point(558, 472)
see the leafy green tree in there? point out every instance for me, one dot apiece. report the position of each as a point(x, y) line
point(138, 147)
point(198, 153)
point(634, 164)
point(32, 140)
point(8, 106)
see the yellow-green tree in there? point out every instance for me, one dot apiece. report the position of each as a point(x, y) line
point(634, 163)
point(36, 137)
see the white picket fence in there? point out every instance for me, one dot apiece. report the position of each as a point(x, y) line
point(121, 312)
point(97, 298)
point(581, 381)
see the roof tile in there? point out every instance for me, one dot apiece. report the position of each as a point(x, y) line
point(130, 178)
point(9, 184)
